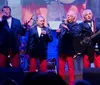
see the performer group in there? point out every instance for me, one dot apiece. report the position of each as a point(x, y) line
point(74, 39)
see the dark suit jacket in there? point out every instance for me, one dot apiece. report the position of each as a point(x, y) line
point(87, 32)
point(9, 37)
point(65, 38)
point(37, 46)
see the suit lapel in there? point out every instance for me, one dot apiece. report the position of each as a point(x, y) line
point(12, 22)
point(86, 25)
point(36, 31)
point(94, 26)
point(6, 26)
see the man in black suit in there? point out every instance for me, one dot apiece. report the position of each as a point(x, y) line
point(65, 34)
point(10, 29)
point(39, 37)
point(88, 28)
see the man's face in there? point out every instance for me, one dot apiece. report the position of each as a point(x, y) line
point(88, 16)
point(6, 12)
point(40, 22)
point(70, 18)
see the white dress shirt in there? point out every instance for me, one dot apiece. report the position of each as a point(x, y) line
point(9, 20)
point(92, 26)
point(0, 19)
point(39, 30)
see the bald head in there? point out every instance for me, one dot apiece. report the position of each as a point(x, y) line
point(40, 21)
point(71, 16)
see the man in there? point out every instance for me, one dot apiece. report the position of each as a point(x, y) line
point(39, 37)
point(66, 33)
point(10, 29)
point(88, 28)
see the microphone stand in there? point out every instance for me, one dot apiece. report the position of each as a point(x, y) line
point(26, 24)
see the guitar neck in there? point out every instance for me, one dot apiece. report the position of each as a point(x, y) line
point(94, 35)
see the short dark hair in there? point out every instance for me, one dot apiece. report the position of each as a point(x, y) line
point(6, 7)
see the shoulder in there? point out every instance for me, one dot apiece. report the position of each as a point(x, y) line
point(33, 28)
point(75, 24)
point(16, 20)
point(98, 25)
point(47, 28)
point(81, 23)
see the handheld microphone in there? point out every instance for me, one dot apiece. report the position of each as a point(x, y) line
point(41, 32)
point(4, 13)
point(4, 16)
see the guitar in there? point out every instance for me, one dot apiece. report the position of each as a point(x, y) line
point(86, 40)
point(80, 44)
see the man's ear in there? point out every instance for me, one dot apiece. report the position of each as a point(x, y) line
point(84, 17)
point(74, 19)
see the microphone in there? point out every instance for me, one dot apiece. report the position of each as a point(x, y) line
point(34, 21)
point(4, 17)
point(41, 32)
point(4, 13)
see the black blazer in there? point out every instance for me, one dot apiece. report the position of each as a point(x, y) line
point(65, 38)
point(9, 37)
point(87, 32)
point(37, 46)
point(85, 29)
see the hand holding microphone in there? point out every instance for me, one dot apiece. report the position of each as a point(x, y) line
point(4, 15)
point(43, 32)
point(58, 30)
point(65, 26)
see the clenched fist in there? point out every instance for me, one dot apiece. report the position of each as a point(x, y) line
point(58, 30)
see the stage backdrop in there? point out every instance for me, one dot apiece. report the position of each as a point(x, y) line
point(52, 10)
